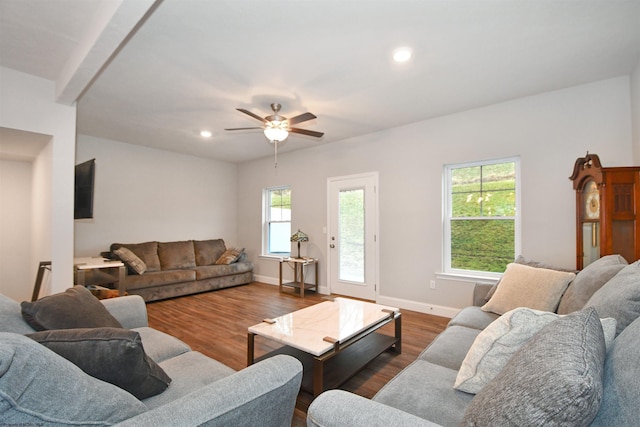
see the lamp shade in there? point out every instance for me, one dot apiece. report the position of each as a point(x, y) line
point(299, 236)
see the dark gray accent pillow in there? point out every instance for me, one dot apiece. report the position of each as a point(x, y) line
point(40, 388)
point(74, 308)
point(619, 297)
point(114, 355)
point(621, 402)
point(588, 281)
point(555, 379)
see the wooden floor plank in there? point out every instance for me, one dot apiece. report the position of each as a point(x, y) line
point(215, 324)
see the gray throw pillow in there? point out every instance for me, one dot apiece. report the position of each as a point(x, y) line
point(555, 379)
point(74, 308)
point(619, 297)
point(621, 402)
point(114, 355)
point(588, 281)
point(40, 388)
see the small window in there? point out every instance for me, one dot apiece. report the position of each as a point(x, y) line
point(277, 221)
point(482, 225)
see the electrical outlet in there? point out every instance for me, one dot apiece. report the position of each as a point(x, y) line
point(432, 284)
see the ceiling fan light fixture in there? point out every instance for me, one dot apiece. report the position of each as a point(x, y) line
point(276, 131)
point(402, 54)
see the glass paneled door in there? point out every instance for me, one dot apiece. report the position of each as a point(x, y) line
point(352, 219)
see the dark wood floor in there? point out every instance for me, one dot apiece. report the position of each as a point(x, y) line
point(215, 324)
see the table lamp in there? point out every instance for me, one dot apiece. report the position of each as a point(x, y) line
point(299, 236)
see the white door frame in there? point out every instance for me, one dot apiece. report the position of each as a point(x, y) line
point(376, 226)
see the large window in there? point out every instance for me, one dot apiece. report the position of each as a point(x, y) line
point(482, 226)
point(277, 221)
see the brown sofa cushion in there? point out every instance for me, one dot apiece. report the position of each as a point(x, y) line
point(229, 256)
point(176, 255)
point(208, 251)
point(160, 278)
point(147, 252)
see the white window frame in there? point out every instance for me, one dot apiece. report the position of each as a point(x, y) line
point(447, 209)
point(266, 221)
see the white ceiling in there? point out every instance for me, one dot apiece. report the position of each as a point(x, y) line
point(192, 62)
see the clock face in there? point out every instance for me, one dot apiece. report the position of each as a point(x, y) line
point(591, 200)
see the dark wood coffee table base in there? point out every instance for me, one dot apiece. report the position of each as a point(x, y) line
point(334, 368)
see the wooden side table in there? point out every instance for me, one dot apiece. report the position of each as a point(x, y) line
point(115, 272)
point(299, 283)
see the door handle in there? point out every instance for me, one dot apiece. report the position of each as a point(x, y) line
point(332, 246)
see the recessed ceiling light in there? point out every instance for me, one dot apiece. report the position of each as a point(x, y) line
point(402, 54)
point(205, 134)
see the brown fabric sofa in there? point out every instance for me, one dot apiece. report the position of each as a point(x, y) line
point(182, 268)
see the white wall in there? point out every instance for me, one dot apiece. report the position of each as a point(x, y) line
point(635, 112)
point(143, 194)
point(548, 132)
point(27, 103)
point(15, 229)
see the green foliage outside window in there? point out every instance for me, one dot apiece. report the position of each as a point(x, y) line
point(483, 209)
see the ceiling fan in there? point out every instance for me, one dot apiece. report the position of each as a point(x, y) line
point(277, 128)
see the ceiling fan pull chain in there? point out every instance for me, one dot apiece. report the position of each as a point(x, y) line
point(276, 158)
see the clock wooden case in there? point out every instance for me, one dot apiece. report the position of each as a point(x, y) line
point(607, 206)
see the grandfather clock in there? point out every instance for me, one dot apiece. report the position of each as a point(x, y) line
point(607, 210)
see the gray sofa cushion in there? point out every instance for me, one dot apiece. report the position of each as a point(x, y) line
point(176, 255)
point(74, 308)
point(160, 346)
point(495, 345)
point(450, 347)
point(555, 379)
point(473, 317)
point(11, 319)
point(38, 387)
point(426, 390)
point(208, 251)
point(190, 371)
point(114, 355)
point(620, 297)
point(588, 281)
point(621, 401)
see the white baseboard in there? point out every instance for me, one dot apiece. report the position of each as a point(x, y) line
point(420, 307)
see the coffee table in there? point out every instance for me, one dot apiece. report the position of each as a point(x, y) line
point(333, 339)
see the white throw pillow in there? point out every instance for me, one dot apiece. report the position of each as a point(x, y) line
point(495, 345)
point(524, 286)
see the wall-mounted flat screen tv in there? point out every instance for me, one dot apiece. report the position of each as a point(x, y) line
point(85, 175)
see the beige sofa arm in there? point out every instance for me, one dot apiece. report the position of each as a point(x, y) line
point(480, 291)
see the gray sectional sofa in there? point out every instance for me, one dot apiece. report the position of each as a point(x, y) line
point(40, 387)
point(161, 270)
point(579, 367)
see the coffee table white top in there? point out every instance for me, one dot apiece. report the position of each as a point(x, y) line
point(340, 319)
point(89, 263)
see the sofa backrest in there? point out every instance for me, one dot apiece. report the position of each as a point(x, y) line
point(11, 319)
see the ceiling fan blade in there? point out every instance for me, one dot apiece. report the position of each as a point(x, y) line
point(301, 118)
point(255, 116)
point(306, 132)
point(244, 128)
